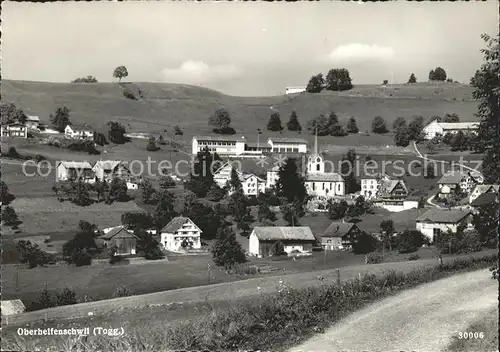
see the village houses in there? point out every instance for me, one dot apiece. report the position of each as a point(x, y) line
point(32, 122)
point(252, 185)
point(458, 181)
point(436, 221)
point(179, 234)
point(264, 240)
point(339, 236)
point(74, 170)
point(481, 189)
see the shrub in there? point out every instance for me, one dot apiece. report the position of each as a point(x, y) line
point(413, 257)
point(364, 244)
point(410, 241)
point(127, 93)
point(244, 269)
point(66, 297)
point(122, 291)
point(374, 258)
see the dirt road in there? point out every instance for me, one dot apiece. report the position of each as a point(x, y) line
point(421, 319)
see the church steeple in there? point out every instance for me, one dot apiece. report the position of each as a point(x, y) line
point(316, 142)
point(315, 163)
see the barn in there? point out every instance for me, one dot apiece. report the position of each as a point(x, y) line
point(124, 240)
point(264, 240)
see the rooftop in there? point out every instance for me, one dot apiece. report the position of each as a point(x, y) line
point(274, 233)
point(453, 177)
point(117, 232)
point(108, 164)
point(458, 125)
point(220, 138)
point(76, 164)
point(175, 224)
point(287, 140)
point(32, 118)
point(485, 199)
point(338, 229)
point(77, 127)
point(324, 177)
point(452, 216)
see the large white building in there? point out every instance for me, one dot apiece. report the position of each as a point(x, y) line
point(238, 147)
point(74, 170)
point(458, 181)
point(295, 90)
point(370, 185)
point(436, 221)
point(436, 128)
point(180, 233)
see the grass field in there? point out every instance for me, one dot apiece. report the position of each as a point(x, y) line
point(165, 105)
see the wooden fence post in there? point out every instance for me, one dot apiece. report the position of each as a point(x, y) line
point(338, 276)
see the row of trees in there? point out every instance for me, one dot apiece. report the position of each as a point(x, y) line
point(83, 194)
point(330, 126)
point(337, 79)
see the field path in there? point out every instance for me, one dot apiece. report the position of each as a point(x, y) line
point(421, 319)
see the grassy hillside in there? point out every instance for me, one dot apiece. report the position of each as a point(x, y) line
point(160, 106)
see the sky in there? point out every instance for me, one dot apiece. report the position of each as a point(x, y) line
point(246, 49)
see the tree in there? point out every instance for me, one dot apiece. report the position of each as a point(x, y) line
point(319, 125)
point(10, 113)
point(348, 171)
point(290, 183)
point(245, 222)
point(385, 82)
point(216, 193)
point(152, 147)
point(61, 119)
point(120, 72)
point(486, 82)
point(402, 137)
point(178, 131)
point(451, 118)
point(352, 126)
point(148, 245)
point(164, 211)
point(226, 250)
point(438, 74)
point(459, 141)
point(412, 78)
point(202, 178)
point(265, 213)
point(88, 79)
point(32, 254)
point(410, 241)
point(116, 133)
point(378, 125)
point(147, 191)
point(486, 222)
point(292, 212)
point(387, 229)
point(364, 243)
point(118, 190)
point(208, 218)
point(274, 123)
point(338, 79)
point(337, 210)
point(161, 140)
point(430, 171)
point(79, 249)
point(399, 122)
point(315, 84)
point(415, 128)
point(293, 123)
point(334, 126)
point(221, 121)
point(137, 220)
point(5, 196)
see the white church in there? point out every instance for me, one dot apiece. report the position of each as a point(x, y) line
point(319, 183)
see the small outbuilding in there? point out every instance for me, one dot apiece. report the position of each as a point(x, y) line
point(264, 241)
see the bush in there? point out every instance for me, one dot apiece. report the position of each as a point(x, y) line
point(374, 258)
point(243, 269)
point(66, 297)
point(410, 241)
point(122, 291)
point(413, 257)
point(364, 244)
point(127, 93)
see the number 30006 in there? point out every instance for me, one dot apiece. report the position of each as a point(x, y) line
point(471, 335)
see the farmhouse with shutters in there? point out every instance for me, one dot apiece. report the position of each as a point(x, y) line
point(180, 233)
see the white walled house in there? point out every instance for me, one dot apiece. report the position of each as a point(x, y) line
point(457, 180)
point(287, 145)
point(272, 176)
point(15, 129)
point(298, 239)
point(481, 189)
point(436, 128)
point(436, 221)
point(370, 185)
point(295, 90)
point(107, 170)
point(320, 183)
point(74, 170)
point(178, 231)
point(78, 132)
point(252, 184)
point(32, 121)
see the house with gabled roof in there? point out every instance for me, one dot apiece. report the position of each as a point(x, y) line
point(107, 170)
point(263, 240)
point(14, 129)
point(32, 121)
point(74, 131)
point(481, 189)
point(436, 128)
point(287, 145)
point(339, 236)
point(74, 170)
point(180, 233)
point(437, 220)
point(119, 237)
point(251, 183)
point(457, 181)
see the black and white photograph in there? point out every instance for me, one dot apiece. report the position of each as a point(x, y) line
point(299, 176)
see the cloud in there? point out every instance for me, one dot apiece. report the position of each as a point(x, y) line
point(198, 72)
point(361, 52)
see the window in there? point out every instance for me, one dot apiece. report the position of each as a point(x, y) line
point(317, 167)
point(318, 160)
point(323, 186)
